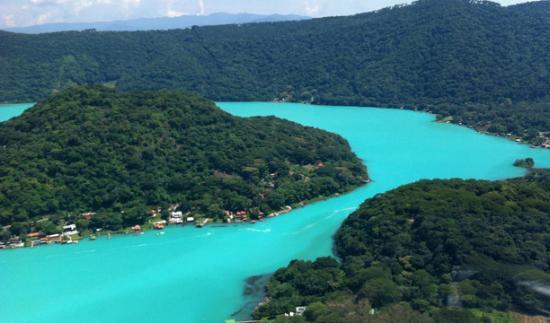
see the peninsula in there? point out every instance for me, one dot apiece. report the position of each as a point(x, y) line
point(102, 160)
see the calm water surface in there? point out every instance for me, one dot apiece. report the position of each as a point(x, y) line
point(198, 275)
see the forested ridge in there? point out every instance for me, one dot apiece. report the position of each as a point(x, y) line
point(482, 64)
point(92, 149)
point(440, 250)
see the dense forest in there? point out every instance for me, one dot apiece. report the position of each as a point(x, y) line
point(471, 62)
point(440, 250)
point(92, 149)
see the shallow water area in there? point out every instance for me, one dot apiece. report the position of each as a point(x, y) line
point(198, 275)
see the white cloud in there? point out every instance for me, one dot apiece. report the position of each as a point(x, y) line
point(42, 19)
point(202, 12)
point(45, 2)
point(174, 13)
point(312, 7)
point(173, 9)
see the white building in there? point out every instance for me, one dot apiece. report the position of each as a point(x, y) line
point(176, 217)
point(69, 230)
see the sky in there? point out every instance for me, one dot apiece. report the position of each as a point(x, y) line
point(18, 13)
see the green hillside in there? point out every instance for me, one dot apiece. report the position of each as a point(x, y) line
point(485, 65)
point(441, 250)
point(94, 149)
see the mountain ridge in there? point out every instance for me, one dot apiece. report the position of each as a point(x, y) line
point(158, 23)
point(469, 62)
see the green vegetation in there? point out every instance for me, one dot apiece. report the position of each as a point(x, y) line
point(525, 163)
point(441, 250)
point(118, 154)
point(485, 65)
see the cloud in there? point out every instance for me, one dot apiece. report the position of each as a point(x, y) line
point(174, 13)
point(42, 19)
point(201, 8)
point(312, 7)
point(173, 9)
point(44, 2)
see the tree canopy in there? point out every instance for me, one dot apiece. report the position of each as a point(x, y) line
point(475, 61)
point(440, 250)
point(117, 154)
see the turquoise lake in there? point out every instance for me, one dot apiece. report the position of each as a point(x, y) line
point(198, 275)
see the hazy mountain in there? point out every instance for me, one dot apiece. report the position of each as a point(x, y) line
point(161, 23)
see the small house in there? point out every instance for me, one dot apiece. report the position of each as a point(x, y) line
point(175, 221)
point(88, 215)
point(190, 219)
point(176, 215)
point(35, 235)
point(52, 238)
point(37, 242)
point(15, 242)
point(69, 230)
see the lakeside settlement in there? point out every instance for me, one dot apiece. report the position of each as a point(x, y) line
point(71, 235)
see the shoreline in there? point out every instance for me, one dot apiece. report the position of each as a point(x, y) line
point(198, 224)
point(438, 118)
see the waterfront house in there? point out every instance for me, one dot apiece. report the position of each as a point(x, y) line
point(52, 238)
point(176, 217)
point(35, 235)
point(69, 230)
point(15, 242)
point(242, 215)
point(159, 225)
point(136, 228)
point(176, 214)
point(37, 242)
point(190, 219)
point(18, 244)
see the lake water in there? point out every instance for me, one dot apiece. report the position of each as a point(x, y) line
point(8, 111)
point(198, 275)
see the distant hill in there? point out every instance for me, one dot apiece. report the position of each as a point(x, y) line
point(118, 154)
point(161, 23)
point(475, 62)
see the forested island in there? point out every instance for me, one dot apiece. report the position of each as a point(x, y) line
point(471, 62)
point(432, 251)
point(101, 159)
